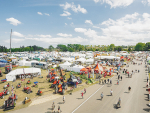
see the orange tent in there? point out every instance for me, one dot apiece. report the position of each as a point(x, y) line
point(83, 69)
point(96, 68)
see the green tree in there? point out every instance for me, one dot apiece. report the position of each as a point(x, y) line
point(129, 49)
point(139, 46)
point(112, 47)
point(51, 48)
point(147, 46)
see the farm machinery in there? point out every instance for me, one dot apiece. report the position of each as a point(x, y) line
point(7, 69)
point(73, 80)
point(18, 85)
point(27, 90)
point(11, 102)
point(61, 87)
point(6, 86)
point(28, 82)
point(39, 92)
point(56, 81)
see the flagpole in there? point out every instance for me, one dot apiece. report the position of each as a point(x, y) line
point(10, 41)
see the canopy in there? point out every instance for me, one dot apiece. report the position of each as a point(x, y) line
point(83, 69)
point(3, 61)
point(65, 65)
point(98, 68)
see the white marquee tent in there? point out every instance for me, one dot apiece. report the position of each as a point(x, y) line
point(12, 75)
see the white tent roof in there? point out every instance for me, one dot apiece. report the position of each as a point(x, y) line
point(12, 75)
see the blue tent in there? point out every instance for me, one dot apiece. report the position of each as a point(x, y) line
point(3, 61)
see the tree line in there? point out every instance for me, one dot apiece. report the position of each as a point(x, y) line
point(78, 47)
point(22, 49)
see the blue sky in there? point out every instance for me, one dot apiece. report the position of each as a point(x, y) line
point(87, 22)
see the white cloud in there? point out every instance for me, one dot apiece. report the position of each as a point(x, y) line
point(64, 35)
point(145, 2)
point(127, 30)
point(13, 21)
point(96, 1)
point(148, 2)
point(44, 36)
point(72, 24)
point(17, 34)
point(14, 40)
point(61, 40)
point(89, 21)
point(65, 23)
point(95, 27)
point(131, 28)
point(89, 33)
point(116, 3)
point(66, 13)
point(69, 18)
point(46, 14)
point(73, 7)
point(39, 13)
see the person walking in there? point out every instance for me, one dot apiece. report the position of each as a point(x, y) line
point(118, 82)
point(82, 94)
point(84, 90)
point(110, 81)
point(63, 99)
point(99, 81)
point(59, 110)
point(102, 95)
point(121, 78)
point(53, 107)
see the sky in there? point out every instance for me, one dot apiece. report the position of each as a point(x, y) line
point(86, 22)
